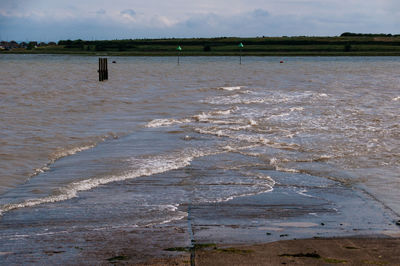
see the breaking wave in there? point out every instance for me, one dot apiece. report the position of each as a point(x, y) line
point(144, 167)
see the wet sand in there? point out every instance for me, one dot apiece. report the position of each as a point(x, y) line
point(330, 251)
point(348, 251)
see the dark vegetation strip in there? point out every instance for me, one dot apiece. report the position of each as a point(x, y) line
point(350, 44)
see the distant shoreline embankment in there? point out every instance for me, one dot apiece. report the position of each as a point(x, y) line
point(348, 44)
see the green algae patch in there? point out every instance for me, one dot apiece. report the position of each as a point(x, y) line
point(235, 250)
point(330, 260)
point(302, 255)
point(205, 245)
point(370, 262)
point(179, 249)
point(351, 248)
point(314, 255)
point(117, 258)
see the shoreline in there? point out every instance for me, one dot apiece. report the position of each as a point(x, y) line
point(347, 44)
point(247, 54)
point(245, 230)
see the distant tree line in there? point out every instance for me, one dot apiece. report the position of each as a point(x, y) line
point(351, 34)
point(208, 43)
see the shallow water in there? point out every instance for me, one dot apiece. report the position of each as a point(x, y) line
point(227, 125)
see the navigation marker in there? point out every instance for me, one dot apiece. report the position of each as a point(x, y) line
point(240, 55)
point(179, 49)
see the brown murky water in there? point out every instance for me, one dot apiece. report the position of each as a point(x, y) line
point(336, 118)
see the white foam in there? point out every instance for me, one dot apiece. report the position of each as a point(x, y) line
point(269, 189)
point(169, 207)
point(230, 88)
point(275, 163)
point(287, 170)
point(251, 154)
point(224, 112)
point(205, 116)
point(303, 193)
point(324, 157)
point(266, 185)
point(179, 216)
point(286, 114)
point(277, 116)
point(293, 109)
point(396, 98)
point(166, 122)
point(51, 233)
point(255, 139)
point(264, 141)
point(229, 148)
point(210, 131)
point(201, 117)
point(234, 99)
point(221, 122)
point(265, 97)
point(239, 128)
point(40, 170)
point(252, 122)
point(145, 167)
point(74, 150)
point(62, 153)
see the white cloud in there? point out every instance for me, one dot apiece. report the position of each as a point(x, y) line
point(101, 12)
point(27, 19)
point(128, 12)
point(260, 13)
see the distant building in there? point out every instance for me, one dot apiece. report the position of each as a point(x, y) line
point(3, 45)
point(23, 45)
point(9, 45)
point(13, 45)
point(32, 45)
point(6, 45)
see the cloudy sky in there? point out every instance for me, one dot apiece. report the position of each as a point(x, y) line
point(52, 20)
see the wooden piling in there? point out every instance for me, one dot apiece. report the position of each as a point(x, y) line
point(103, 69)
point(99, 71)
point(106, 68)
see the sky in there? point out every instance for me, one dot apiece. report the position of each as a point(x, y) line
point(53, 20)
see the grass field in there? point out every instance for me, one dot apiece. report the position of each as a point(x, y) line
point(368, 45)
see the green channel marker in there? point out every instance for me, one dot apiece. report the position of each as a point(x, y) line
point(179, 49)
point(240, 56)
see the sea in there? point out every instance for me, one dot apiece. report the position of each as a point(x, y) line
point(206, 130)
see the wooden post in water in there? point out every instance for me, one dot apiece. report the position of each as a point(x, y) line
point(100, 69)
point(106, 67)
point(103, 69)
